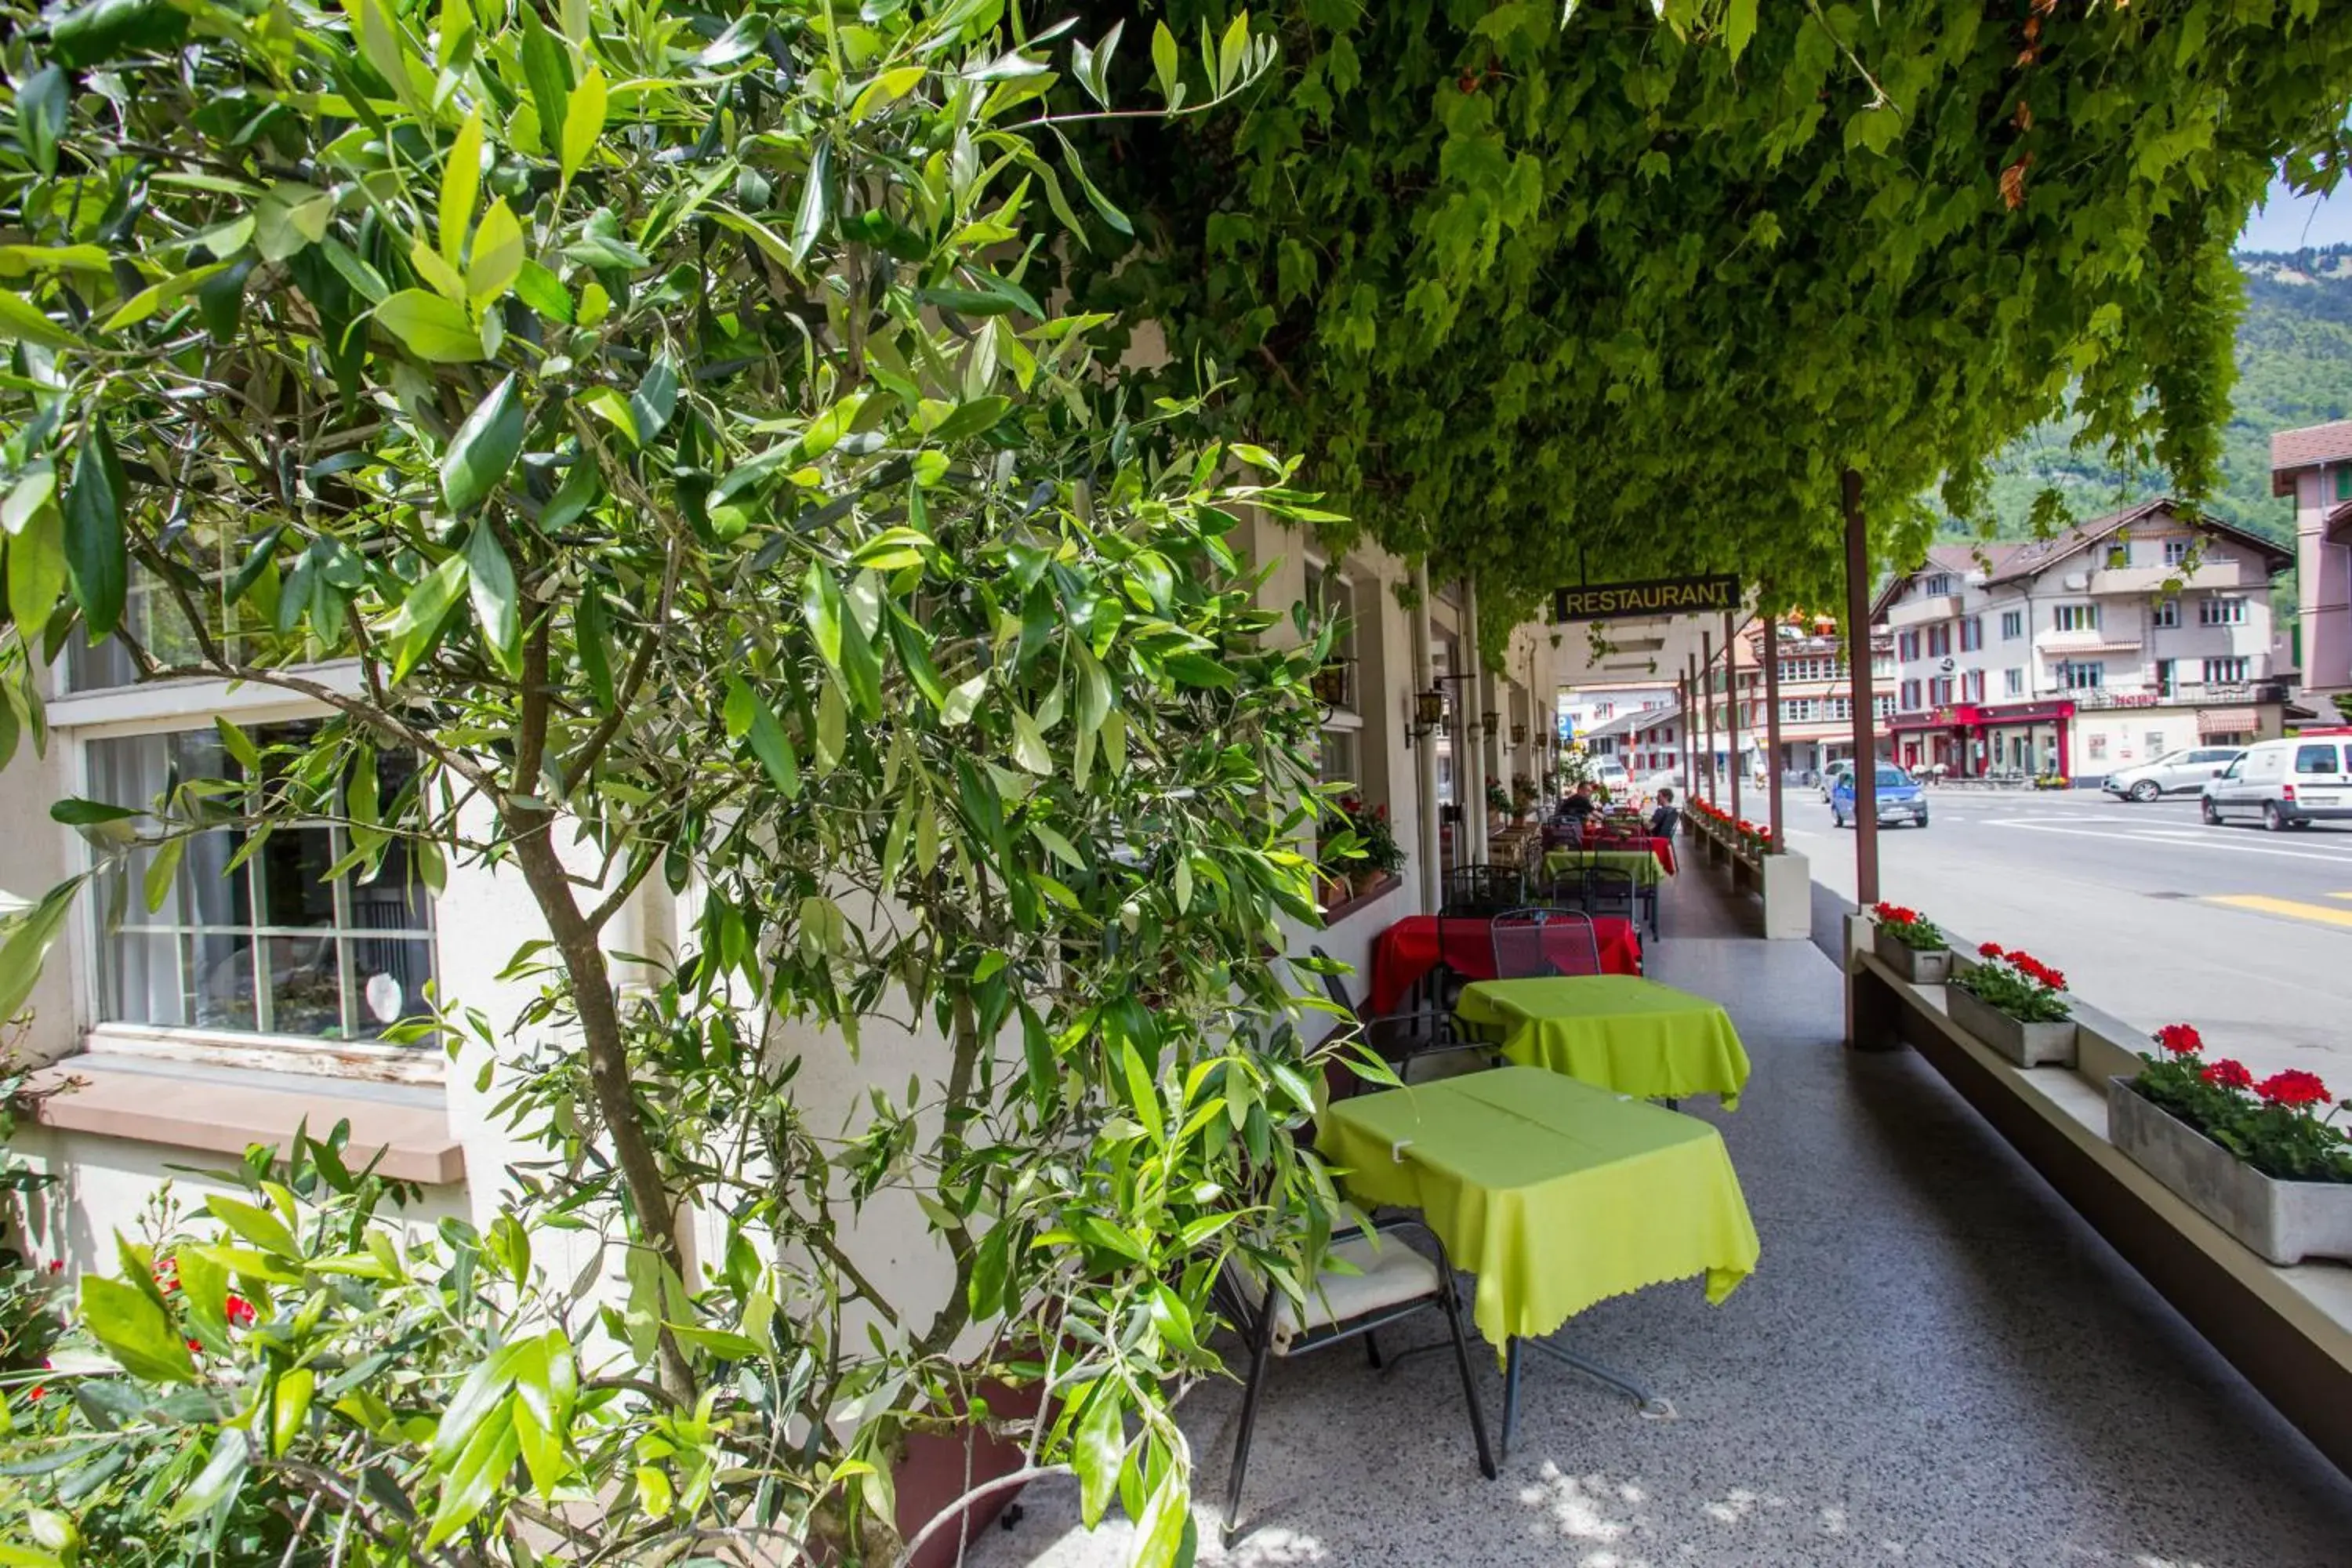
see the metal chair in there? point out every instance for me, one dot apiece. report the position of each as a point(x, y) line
point(1481, 890)
point(1391, 1282)
point(1397, 1038)
point(1610, 890)
point(1539, 943)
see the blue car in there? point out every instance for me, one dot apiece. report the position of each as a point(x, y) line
point(1900, 798)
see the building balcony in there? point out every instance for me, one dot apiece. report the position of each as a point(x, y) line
point(1921, 612)
point(2153, 579)
point(2053, 644)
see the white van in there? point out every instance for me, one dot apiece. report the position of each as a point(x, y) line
point(2286, 783)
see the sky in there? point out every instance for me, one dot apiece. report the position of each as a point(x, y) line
point(2290, 222)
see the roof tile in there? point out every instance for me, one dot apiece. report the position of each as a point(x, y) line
point(2292, 450)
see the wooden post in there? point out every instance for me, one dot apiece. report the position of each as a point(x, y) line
point(1707, 700)
point(1471, 767)
point(1772, 729)
point(1731, 709)
point(1690, 730)
point(1865, 702)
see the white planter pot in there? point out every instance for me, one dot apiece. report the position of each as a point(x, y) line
point(1931, 968)
point(2286, 1222)
point(1788, 896)
point(2027, 1045)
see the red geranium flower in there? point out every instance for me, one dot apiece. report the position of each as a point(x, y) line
point(2182, 1039)
point(239, 1312)
point(2228, 1073)
point(2293, 1089)
point(1992, 950)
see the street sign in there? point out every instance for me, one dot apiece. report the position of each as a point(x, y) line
point(1651, 596)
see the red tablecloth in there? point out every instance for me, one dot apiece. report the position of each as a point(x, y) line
point(1410, 949)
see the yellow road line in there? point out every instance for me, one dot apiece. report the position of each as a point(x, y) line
point(2260, 904)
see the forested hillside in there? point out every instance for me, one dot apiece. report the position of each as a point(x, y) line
point(2294, 367)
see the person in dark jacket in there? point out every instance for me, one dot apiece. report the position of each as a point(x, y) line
point(1665, 819)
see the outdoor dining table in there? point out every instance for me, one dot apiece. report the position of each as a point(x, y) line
point(1615, 1031)
point(1556, 1194)
point(1404, 954)
point(1645, 865)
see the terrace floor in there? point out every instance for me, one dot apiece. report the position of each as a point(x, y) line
point(1937, 1362)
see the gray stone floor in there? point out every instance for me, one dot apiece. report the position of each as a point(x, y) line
point(1936, 1362)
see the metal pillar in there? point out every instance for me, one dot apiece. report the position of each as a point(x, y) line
point(1731, 709)
point(1865, 701)
point(1424, 667)
point(1772, 729)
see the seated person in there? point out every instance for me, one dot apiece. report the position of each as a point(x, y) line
point(1580, 806)
point(1665, 819)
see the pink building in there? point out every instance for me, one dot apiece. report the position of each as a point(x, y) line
point(2314, 467)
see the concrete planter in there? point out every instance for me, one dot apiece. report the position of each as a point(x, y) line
point(2027, 1045)
point(2286, 1222)
point(1788, 888)
point(1928, 968)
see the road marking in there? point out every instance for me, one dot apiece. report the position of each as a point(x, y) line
point(2340, 895)
point(2263, 904)
point(2201, 842)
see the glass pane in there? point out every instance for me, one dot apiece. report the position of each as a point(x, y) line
point(304, 974)
point(389, 979)
point(202, 979)
point(293, 871)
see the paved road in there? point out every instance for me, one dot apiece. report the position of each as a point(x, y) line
point(2153, 916)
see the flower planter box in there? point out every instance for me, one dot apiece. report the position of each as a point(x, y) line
point(2027, 1045)
point(2286, 1222)
point(1920, 968)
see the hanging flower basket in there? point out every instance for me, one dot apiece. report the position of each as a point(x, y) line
point(2264, 1161)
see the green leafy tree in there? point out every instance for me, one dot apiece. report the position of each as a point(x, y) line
point(655, 407)
point(1608, 290)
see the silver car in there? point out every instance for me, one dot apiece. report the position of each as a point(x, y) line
point(2184, 772)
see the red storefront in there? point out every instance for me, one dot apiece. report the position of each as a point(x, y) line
point(1973, 739)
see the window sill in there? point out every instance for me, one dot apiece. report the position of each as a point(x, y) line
point(163, 701)
point(291, 1054)
point(1343, 718)
point(1346, 907)
point(223, 1110)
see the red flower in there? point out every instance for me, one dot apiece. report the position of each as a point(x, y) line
point(240, 1311)
point(167, 1275)
point(2293, 1089)
point(1992, 950)
point(2183, 1040)
point(2228, 1073)
point(56, 1266)
point(38, 1389)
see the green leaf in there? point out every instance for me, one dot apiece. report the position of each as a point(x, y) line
point(774, 749)
point(1198, 670)
point(498, 255)
point(220, 1477)
point(964, 700)
point(821, 609)
point(1061, 848)
point(431, 327)
point(132, 1328)
point(475, 1478)
point(544, 66)
point(1097, 1449)
point(656, 397)
point(1738, 25)
point(412, 629)
point(36, 569)
point(461, 185)
point(483, 449)
point(490, 583)
point(162, 871)
point(36, 487)
point(816, 201)
point(257, 1225)
point(583, 121)
point(1160, 1532)
point(41, 105)
point(544, 292)
point(1029, 748)
point(30, 935)
point(290, 1407)
point(238, 744)
point(76, 813)
point(1163, 61)
point(104, 30)
point(22, 321)
point(1143, 1091)
point(155, 296)
point(97, 565)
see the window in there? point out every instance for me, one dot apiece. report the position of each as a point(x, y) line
point(2344, 484)
point(2119, 554)
point(1939, 692)
point(2078, 618)
point(1972, 686)
point(2316, 759)
point(2098, 748)
point(1935, 583)
point(2154, 738)
point(2012, 682)
point(1972, 633)
point(2176, 551)
point(2221, 610)
point(2012, 625)
point(1910, 701)
point(1797, 710)
point(2165, 684)
point(2164, 612)
point(1907, 646)
point(1337, 764)
point(2082, 676)
point(1939, 642)
point(1885, 707)
point(1330, 596)
point(1838, 708)
point(2226, 671)
point(275, 946)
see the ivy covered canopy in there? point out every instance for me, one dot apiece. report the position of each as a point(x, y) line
point(1608, 292)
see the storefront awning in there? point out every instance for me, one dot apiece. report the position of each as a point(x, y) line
point(2227, 721)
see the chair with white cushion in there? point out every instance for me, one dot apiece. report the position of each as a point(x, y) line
point(1390, 1281)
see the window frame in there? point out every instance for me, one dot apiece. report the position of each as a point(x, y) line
point(2164, 614)
point(2221, 610)
point(2012, 625)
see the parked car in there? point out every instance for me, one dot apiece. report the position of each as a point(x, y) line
point(1610, 771)
point(1900, 798)
point(1832, 774)
point(2185, 772)
point(2286, 783)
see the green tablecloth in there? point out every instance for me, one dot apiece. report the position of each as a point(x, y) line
point(1556, 1194)
point(1618, 1031)
point(1641, 863)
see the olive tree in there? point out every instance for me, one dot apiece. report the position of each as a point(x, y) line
point(647, 403)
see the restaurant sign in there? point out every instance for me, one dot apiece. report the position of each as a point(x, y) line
point(1651, 596)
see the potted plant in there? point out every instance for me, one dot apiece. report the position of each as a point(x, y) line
point(1523, 797)
point(1499, 804)
point(1911, 944)
point(1383, 855)
point(2011, 1002)
point(2266, 1161)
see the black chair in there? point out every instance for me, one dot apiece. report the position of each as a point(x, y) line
point(1392, 1282)
point(1482, 889)
point(1539, 943)
point(1610, 890)
point(1397, 1038)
